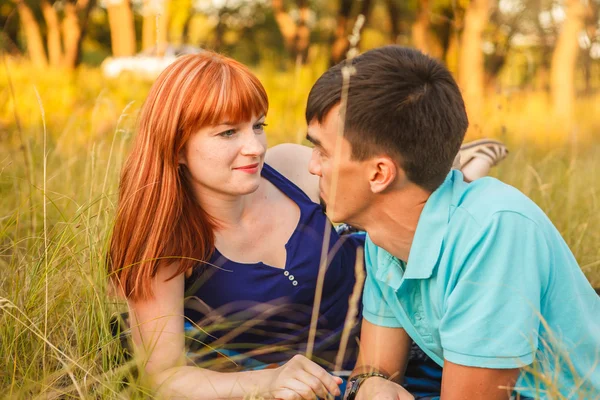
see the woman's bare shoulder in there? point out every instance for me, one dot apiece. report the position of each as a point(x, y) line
point(291, 160)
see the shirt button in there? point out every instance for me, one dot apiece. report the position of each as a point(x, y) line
point(295, 283)
point(418, 317)
point(286, 273)
point(291, 277)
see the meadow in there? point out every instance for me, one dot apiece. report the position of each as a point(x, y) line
point(63, 139)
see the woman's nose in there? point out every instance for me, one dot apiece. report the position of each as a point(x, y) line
point(253, 145)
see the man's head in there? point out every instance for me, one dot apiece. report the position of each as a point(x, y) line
point(405, 122)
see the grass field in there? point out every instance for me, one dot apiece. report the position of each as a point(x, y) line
point(63, 141)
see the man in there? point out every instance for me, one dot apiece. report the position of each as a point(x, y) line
point(475, 273)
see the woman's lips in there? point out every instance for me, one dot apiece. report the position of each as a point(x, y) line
point(249, 169)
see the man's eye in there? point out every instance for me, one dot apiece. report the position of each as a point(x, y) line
point(259, 127)
point(227, 133)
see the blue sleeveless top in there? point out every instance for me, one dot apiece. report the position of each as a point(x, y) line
point(264, 312)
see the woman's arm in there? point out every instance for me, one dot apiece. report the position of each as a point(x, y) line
point(291, 160)
point(158, 335)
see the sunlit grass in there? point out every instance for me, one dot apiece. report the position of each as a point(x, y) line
point(63, 347)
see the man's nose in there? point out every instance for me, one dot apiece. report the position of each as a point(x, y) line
point(314, 166)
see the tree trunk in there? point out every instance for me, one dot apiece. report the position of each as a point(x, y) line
point(444, 28)
point(296, 36)
point(286, 24)
point(185, 34)
point(53, 40)
point(148, 25)
point(122, 32)
point(10, 32)
point(219, 32)
point(340, 36)
point(155, 26)
point(71, 36)
point(302, 37)
point(420, 28)
point(86, 7)
point(162, 39)
point(564, 58)
point(341, 45)
point(394, 14)
point(452, 52)
point(35, 43)
point(471, 61)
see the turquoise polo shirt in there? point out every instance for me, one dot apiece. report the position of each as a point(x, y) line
point(490, 283)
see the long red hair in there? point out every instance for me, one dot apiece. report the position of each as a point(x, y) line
point(158, 220)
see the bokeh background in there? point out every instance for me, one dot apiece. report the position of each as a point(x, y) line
point(74, 75)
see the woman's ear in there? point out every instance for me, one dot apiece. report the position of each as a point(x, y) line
point(181, 159)
point(384, 172)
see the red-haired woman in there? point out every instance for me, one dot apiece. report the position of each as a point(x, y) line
point(210, 236)
point(201, 217)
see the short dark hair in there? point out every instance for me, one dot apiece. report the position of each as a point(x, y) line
point(401, 103)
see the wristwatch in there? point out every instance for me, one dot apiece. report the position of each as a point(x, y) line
point(356, 381)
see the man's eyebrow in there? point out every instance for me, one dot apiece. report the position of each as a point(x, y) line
point(313, 140)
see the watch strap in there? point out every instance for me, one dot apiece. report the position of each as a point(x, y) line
point(355, 382)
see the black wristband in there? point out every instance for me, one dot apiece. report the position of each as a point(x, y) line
point(356, 382)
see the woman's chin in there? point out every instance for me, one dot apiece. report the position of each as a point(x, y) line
point(247, 188)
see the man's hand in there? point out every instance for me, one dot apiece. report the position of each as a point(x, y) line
point(376, 388)
point(300, 379)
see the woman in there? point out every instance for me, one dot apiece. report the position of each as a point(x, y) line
point(202, 217)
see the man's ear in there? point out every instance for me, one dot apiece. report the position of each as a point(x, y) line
point(384, 173)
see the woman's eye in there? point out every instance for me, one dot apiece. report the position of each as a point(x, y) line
point(259, 127)
point(227, 133)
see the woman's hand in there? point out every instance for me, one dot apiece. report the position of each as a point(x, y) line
point(376, 388)
point(301, 378)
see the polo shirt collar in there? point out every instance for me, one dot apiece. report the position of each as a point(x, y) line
point(431, 228)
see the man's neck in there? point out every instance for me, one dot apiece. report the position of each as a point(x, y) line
point(392, 219)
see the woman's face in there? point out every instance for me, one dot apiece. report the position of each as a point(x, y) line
point(226, 158)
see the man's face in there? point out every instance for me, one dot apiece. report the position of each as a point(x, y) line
point(343, 182)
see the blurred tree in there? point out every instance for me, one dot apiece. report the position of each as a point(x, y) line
point(591, 43)
point(295, 31)
point(67, 35)
point(345, 23)
point(421, 30)
point(180, 12)
point(564, 58)
point(155, 27)
point(75, 23)
point(471, 58)
point(33, 36)
point(122, 29)
point(9, 21)
point(394, 14)
point(435, 29)
point(53, 33)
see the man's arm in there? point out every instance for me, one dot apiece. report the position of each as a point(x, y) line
point(383, 350)
point(460, 382)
